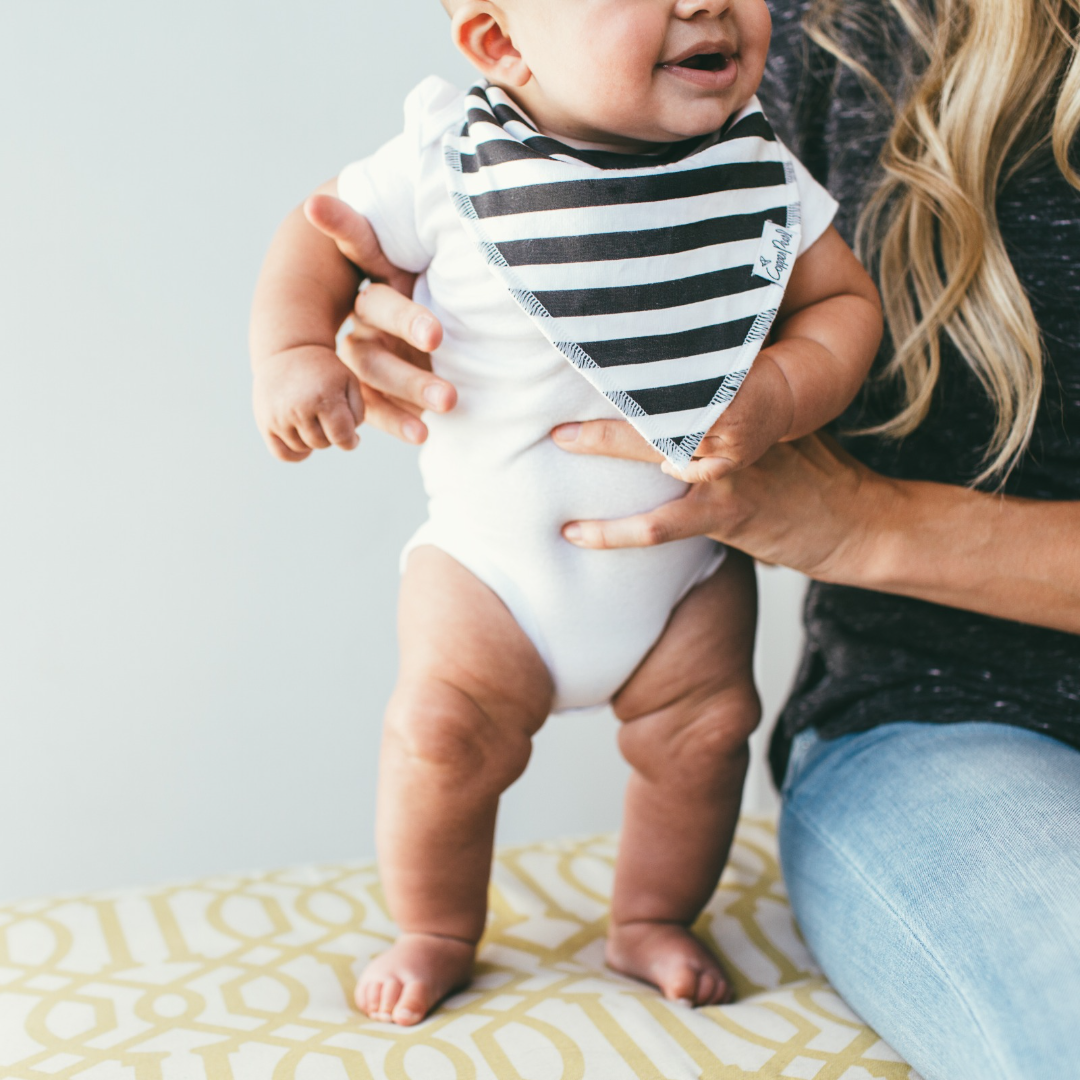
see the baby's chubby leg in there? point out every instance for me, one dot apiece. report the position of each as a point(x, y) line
point(471, 693)
point(687, 714)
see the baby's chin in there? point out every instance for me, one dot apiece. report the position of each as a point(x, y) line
point(639, 130)
point(664, 134)
point(679, 123)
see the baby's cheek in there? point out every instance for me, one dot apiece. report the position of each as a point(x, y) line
point(620, 106)
point(621, 85)
point(755, 33)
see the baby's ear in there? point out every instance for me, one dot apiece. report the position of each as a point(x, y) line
point(481, 32)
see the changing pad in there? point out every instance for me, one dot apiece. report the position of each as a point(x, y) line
point(250, 977)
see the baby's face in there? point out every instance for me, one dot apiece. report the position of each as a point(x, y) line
point(628, 72)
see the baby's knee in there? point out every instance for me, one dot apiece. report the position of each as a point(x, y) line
point(438, 726)
point(695, 741)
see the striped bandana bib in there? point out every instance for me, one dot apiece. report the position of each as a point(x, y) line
point(657, 276)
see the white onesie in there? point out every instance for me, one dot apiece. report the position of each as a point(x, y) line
point(499, 489)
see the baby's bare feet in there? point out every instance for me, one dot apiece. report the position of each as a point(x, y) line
point(407, 981)
point(671, 958)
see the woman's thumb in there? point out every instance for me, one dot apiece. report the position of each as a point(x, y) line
point(352, 233)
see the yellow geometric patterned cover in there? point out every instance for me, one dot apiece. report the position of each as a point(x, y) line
point(250, 977)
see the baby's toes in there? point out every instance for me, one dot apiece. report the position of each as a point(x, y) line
point(367, 995)
point(388, 999)
point(374, 998)
point(680, 984)
point(712, 988)
point(413, 1004)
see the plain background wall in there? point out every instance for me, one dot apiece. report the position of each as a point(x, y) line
point(196, 640)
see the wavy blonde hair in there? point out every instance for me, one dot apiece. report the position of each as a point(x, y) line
point(995, 81)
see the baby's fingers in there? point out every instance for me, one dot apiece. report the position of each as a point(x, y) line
point(340, 420)
point(283, 451)
point(312, 434)
point(339, 424)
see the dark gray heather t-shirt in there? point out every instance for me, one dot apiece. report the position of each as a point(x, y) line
point(872, 658)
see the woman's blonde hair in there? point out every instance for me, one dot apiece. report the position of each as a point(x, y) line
point(995, 81)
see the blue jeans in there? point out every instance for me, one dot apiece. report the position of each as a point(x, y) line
point(935, 873)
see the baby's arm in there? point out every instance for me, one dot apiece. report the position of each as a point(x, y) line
point(823, 342)
point(305, 398)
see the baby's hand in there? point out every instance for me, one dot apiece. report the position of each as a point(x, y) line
point(306, 399)
point(760, 416)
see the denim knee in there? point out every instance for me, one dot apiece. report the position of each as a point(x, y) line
point(934, 870)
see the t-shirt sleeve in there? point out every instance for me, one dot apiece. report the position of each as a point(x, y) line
point(818, 206)
point(384, 187)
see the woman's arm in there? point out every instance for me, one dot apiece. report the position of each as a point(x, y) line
point(811, 506)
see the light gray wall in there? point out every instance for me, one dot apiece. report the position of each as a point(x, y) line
point(196, 640)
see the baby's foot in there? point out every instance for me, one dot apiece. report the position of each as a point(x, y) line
point(407, 981)
point(671, 958)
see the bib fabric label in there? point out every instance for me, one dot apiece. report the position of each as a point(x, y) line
point(776, 254)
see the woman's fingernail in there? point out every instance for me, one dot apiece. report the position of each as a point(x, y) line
point(422, 328)
point(413, 431)
point(567, 432)
point(572, 532)
point(435, 396)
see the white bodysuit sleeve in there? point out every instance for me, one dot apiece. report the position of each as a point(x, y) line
point(818, 206)
point(384, 187)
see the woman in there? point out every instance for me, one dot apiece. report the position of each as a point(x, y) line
point(930, 753)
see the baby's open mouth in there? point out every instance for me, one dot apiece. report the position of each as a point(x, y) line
point(705, 62)
point(713, 67)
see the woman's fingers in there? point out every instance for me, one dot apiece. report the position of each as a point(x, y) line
point(396, 377)
point(384, 308)
point(393, 376)
point(609, 438)
point(389, 348)
point(393, 417)
point(673, 521)
point(806, 504)
point(356, 240)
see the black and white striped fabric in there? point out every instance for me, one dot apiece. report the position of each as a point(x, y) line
point(658, 277)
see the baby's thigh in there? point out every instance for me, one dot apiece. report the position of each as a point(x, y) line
point(454, 631)
point(706, 649)
point(695, 689)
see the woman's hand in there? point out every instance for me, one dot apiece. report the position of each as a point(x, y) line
point(391, 339)
point(805, 504)
point(809, 505)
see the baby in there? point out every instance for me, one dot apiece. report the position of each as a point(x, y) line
point(605, 227)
